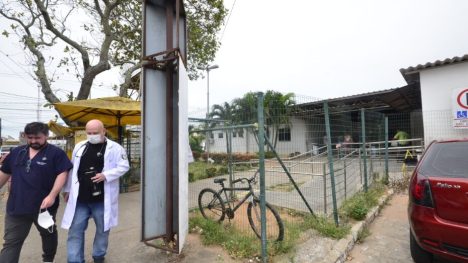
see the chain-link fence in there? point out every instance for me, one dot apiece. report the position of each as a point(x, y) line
point(325, 157)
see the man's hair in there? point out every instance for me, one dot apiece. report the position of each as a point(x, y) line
point(35, 128)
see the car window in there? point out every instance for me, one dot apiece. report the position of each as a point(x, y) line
point(446, 159)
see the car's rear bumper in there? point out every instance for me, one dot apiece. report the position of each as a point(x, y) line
point(438, 236)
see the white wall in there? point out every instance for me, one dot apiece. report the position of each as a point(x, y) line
point(248, 143)
point(436, 97)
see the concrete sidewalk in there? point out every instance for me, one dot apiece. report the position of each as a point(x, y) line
point(124, 244)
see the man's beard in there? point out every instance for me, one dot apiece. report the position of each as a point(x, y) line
point(37, 146)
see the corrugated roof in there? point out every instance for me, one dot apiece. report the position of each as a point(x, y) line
point(403, 99)
point(411, 74)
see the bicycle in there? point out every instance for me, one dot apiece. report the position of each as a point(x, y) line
point(213, 207)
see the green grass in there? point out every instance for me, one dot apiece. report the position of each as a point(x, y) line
point(201, 170)
point(360, 204)
point(363, 234)
point(239, 244)
point(286, 187)
point(326, 227)
point(244, 245)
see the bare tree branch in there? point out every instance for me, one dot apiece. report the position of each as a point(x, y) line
point(50, 27)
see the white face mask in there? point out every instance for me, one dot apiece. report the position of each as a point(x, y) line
point(46, 221)
point(94, 138)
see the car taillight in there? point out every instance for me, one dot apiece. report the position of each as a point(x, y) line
point(420, 190)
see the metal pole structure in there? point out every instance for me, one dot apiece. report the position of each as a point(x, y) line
point(330, 161)
point(208, 69)
point(208, 135)
point(286, 170)
point(386, 150)
point(261, 164)
point(229, 148)
point(364, 151)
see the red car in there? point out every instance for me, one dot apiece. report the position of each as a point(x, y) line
point(438, 203)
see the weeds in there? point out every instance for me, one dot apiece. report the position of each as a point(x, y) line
point(360, 204)
point(363, 235)
point(326, 227)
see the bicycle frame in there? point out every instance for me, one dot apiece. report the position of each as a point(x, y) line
point(229, 189)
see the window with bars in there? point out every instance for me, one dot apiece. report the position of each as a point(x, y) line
point(284, 134)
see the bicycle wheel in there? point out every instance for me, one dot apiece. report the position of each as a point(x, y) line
point(211, 205)
point(274, 225)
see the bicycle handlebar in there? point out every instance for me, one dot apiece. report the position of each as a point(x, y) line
point(249, 180)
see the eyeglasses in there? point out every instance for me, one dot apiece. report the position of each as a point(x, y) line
point(28, 166)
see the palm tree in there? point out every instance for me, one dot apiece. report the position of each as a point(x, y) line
point(195, 139)
point(223, 112)
point(278, 108)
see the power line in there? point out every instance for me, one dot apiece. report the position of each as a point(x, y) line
point(227, 21)
point(17, 95)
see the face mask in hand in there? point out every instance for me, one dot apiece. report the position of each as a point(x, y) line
point(94, 138)
point(46, 221)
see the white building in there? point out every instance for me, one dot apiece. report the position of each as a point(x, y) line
point(291, 139)
point(444, 93)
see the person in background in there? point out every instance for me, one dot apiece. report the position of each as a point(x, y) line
point(345, 146)
point(402, 138)
point(38, 172)
point(92, 190)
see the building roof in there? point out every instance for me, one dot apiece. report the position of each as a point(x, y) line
point(411, 74)
point(403, 99)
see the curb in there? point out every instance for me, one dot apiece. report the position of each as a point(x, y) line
point(344, 246)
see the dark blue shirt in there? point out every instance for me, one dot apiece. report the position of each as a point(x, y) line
point(32, 180)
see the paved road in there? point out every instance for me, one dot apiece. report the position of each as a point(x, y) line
point(389, 239)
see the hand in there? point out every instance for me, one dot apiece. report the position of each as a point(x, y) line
point(2, 157)
point(65, 196)
point(99, 177)
point(47, 202)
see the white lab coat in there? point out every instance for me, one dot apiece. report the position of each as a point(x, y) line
point(115, 165)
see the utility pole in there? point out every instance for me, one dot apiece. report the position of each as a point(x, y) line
point(207, 69)
point(38, 114)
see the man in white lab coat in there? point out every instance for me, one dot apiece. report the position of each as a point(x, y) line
point(92, 190)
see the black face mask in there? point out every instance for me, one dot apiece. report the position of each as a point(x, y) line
point(37, 146)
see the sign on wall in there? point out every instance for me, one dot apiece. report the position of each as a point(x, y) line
point(460, 108)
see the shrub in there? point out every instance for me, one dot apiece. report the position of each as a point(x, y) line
point(223, 170)
point(196, 155)
point(191, 177)
point(223, 158)
point(211, 172)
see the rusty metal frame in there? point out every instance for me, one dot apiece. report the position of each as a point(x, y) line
point(164, 61)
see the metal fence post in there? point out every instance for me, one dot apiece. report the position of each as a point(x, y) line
point(344, 170)
point(330, 161)
point(364, 151)
point(261, 153)
point(324, 188)
point(386, 151)
point(231, 174)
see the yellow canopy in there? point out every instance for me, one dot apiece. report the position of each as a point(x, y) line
point(60, 130)
point(65, 131)
point(112, 111)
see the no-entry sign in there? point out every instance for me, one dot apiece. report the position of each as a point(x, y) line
point(460, 108)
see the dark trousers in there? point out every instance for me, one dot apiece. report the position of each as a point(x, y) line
point(17, 229)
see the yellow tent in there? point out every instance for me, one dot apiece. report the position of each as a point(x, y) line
point(112, 111)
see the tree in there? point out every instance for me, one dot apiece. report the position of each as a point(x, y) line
point(223, 112)
point(278, 108)
point(195, 139)
point(85, 38)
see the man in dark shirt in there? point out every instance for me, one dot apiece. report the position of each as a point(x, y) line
point(38, 172)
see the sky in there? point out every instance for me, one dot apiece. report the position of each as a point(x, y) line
point(315, 49)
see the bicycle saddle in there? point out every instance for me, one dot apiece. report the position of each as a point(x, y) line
point(219, 180)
